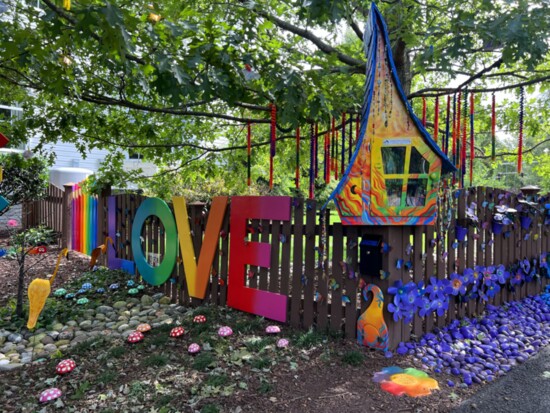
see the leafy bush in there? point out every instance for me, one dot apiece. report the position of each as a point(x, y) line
point(33, 237)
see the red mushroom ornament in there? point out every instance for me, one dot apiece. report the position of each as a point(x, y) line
point(177, 332)
point(65, 366)
point(135, 337)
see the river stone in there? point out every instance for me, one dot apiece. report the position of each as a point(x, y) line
point(2, 340)
point(119, 304)
point(15, 338)
point(146, 300)
point(126, 333)
point(38, 346)
point(100, 317)
point(78, 340)
point(50, 348)
point(10, 367)
point(47, 340)
point(4, 361)
point(66, 335)
point(85, 325)
point(123, 327)
point(57, 327)
point(104, 309)
point(62, 343)
point(133, 323)
point(110, 325)
point(165, 300)
point(53, 334)
point(158, 296)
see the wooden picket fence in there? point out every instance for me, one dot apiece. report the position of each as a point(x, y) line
point(47, 211)
point(322, 294)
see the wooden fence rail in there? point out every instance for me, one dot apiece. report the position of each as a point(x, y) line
point(317, 266)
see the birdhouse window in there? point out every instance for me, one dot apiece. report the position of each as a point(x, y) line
point(401, 171)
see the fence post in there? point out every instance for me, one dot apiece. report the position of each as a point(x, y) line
point(102, 230)
point(67, 216)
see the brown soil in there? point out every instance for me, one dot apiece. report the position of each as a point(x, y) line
point(320, 383)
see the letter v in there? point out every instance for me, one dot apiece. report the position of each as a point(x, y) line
point(196, 276)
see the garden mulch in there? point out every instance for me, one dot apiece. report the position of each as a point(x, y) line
point(316, 374)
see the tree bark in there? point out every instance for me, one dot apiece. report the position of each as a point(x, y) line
point(402, 64)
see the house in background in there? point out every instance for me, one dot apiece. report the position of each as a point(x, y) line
point(69, 165)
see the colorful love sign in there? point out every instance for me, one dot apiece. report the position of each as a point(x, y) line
point(198, 266)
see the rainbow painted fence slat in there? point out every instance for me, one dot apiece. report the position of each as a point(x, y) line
point(84, 235)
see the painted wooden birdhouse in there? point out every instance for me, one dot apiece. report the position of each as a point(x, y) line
point(394, 172)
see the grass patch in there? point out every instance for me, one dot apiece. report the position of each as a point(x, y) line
point(203, 361)
point(117, 351)
point(108, 376)
point(210, 408)
point(353, 358)
point(155, 360)
point(164, 400)
point(81, 390)
point(309, 339)
point(217, 380)
point(257, 344)
point(250, 324)
point(261, 363)
point(158, 340)
point(265, 387)
point(85, 347)
point(137, 389)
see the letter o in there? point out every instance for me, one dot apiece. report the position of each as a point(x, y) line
point(159, 208)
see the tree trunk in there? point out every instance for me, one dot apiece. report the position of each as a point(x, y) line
point(20, 285)
point(402, 64)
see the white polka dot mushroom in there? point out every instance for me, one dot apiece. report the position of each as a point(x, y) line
point(143, 328)
point(225, 331)
point(135, 337)
point(65, 366)
point(193, 348)
point(282, 343)
point(272, 329)
point(177, 332)
point(50, 394)
point(199, 319)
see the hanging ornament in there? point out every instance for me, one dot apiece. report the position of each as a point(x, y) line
point(272, 146)
point(249, 74)
point(316, 150)
point(343, 158)
point(311, 162)
point(67, 4)
point(521, 113)
point(472, 146)
point(249, 150)
point(436, 119)
point(350, 140)
point(327, 158)
point(493, 127)
point(463, 147)
point(297, 178)
point(332, 143)
point(447, 125)
point(336, 149)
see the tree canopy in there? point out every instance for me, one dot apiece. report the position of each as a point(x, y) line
point(178, 81)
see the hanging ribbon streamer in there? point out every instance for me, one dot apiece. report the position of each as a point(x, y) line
point(336, 149)
point(423, 111)
point(464, 143)
point(343, 144)
point(272, 145)
point(311, 161)
point(520, 143)
point(472, 143)
point(297, 178)
point(332, 143)
point(436, 119)
point(350, 138)
point(327, 158)
point(493, 127)
point(316, 150)
point(248, 151)
point(447, 126)
point(67, 4)
point(456, 127)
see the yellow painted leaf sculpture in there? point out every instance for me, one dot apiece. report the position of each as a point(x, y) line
point(39, 290)
point(102, 249)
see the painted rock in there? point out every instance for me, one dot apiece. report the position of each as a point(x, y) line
point(50, 394)
point(135, 337)
point(199, 319)
point(143, 328)
point(225, 331)
point(193, 348)
point(65, 366)
point(282, 343)
point(177, 331)
point(272, 329)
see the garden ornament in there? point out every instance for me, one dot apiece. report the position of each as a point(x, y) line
point(102, 249)
point(65, 366)
point(38, 292)
point(50, 394)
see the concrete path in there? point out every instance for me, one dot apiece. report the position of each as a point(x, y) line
point(526, 388)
